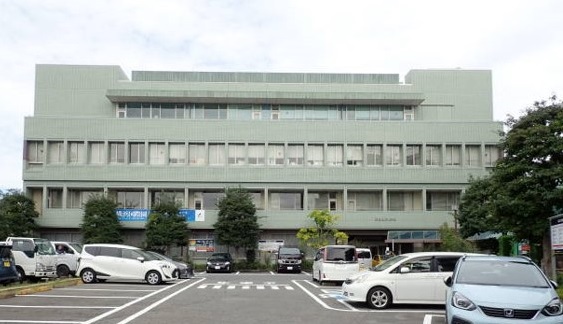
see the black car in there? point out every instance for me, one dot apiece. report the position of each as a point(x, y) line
point(289, 259)
point(8, 272)
point(219, 263)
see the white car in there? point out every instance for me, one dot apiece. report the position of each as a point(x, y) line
point(101, 262)
point(67, 257)
point(411, 278)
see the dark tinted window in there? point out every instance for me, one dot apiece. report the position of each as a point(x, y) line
point(22, 245)
point(446, 264)
point(364, 255)
point(110, 251)
point(5, 252)
point(93, 250)
point(340, 254)
point(289, 251)
point(131, 254)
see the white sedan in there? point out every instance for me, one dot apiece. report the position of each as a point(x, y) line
point(411, 278)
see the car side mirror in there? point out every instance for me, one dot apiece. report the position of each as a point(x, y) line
point(448, 281)
point(141, 259)
point(405, 270)
point(554, 284)
point(35, 249)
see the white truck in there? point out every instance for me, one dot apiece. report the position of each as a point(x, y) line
point(35, 257)
point(67, 257)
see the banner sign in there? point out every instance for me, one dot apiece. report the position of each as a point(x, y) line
point(204, 245)
point(142, 215)
point(556, 232)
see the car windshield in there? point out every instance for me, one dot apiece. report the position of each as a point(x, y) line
point(503, 273)
point(147, 256)
point(218, 258)
point(388, 263)
point(289, 251)
point(44, 247)
point(77, 247)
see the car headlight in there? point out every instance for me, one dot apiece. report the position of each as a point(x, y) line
point(554, 308)
point(227, 263)
point(40, 267)
point(208, 263)
point(359, 279)
point(462, 302)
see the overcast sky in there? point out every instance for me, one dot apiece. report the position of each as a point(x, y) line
point(520, 41)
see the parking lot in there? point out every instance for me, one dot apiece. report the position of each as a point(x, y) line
point(206, 298)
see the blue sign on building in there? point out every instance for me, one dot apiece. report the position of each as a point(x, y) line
point(142, 215)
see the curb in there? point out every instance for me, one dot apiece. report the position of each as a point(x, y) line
point(39, 287)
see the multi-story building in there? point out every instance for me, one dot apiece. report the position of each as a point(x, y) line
point(390, 158)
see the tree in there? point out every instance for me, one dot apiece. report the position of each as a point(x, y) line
point(529, 179)
point(166, 226)
point(526, 186)
point(100, 223)
point(322, 232)
point(475, 208)
point(237, 223)
point(452, 241)
point(17, 214)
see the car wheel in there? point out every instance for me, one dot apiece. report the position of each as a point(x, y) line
point(153, 277)
point(21, 275)
point(176, 274)
point(88, 276)
point(63, 270)
point(379, 298)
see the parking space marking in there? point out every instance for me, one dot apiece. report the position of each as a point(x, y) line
point(86, 297)
point(58, 307)
point(245, 285)
point(117, 309)
point(101, 289)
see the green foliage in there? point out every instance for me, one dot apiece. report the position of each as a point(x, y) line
point(100, 223)
point(165, 226)
point(505, 245)
point(525, 188)
point(323, 232)
point(17, 214)
point(237, 223)
point(251, 255)
point(452, 241)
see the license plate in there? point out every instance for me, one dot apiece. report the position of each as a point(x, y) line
point(6, 263)
point(289, 268)
point(217, 267)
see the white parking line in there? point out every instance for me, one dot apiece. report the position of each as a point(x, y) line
point(100, 289)
point(104, 315)
point(86, 297)
point(58, 307)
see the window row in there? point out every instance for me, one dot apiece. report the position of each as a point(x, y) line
point(212, 111)
point(220, 154)
point(364, 200)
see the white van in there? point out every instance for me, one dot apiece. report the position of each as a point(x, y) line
point(67, 257)
point(364, 258)
point(335, 263)
point(35, 257)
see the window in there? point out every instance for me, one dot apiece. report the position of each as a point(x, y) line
point(256, 154)
point(55, 152)
point(334, 155)
point(137, 153)
point(275, 154)
point(197, 154)
point(473, 155)
point(413, 155)
point(369, 200)
point(442, 200)
point(286, 200)
point(453, 155)
point(116, 152)
point(393, 155)
point(217, 154)
point(210, 200)
point(76, 198)
point(404, 200)
point(323, 200)
point(433, 155)
point(176, 196)
point(76, 152)
point(315, 154)
point(295, 154)
point(373, 155)
point(35, 152)
point(354, 155)
point(55, 198)
point(96, 153)
point(419, 264)
point(492, 155)
point(129, 199)
point(177, 152)
point(157, 153)
point(237, 154)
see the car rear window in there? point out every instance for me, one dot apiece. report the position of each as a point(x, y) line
point(341, 254)
point(364, 255)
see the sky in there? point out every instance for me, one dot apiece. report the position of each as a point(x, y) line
point(520, 41)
